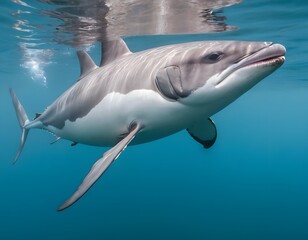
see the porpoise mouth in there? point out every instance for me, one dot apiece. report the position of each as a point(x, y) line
point(272, 55)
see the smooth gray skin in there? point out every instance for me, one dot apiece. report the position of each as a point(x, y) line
point(194, 62)
point(175, 72)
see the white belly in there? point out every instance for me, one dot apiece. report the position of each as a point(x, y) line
point(107, 121)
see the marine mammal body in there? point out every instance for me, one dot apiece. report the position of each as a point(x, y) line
point(140, 97)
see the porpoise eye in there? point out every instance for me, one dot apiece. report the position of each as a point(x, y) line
point(212, 57)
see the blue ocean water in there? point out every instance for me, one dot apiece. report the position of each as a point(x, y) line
point(252, 184)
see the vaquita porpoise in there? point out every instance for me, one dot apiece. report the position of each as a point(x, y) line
point(133, 98)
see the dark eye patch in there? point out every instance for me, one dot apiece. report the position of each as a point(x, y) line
point(212, 57)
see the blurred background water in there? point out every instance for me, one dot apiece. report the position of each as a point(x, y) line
point(252, 184)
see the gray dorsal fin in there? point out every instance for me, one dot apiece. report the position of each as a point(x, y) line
point(204, 132)
point(112, 50)
point(86, 63)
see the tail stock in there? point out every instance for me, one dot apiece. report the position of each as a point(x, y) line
point(23, 121)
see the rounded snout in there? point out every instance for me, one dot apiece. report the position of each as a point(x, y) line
point(267, 55)
point(271, 55)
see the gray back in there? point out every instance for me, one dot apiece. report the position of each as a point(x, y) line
point(135, 71)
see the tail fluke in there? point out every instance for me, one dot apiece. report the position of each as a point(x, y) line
point(22, 119)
